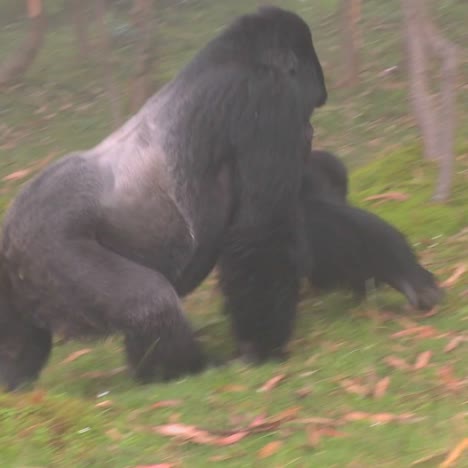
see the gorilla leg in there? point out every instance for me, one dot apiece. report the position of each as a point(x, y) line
point(261, 287)
point(88, 290)
point(23, 354)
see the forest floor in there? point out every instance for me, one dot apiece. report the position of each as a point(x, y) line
point(369, 385)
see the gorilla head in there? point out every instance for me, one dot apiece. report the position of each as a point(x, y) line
point(104, 241)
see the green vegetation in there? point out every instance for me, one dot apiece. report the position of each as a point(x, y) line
point(339, 351)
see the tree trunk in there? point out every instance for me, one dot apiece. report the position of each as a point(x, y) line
point(351, 15)
point(106, 59)
point(142, 13)
point(447, 52)
point(16, 65)
point(80, 22)
point(421, 100)
point(434, 114)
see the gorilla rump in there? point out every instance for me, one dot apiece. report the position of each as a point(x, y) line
point(347, 246)
point(106, 240)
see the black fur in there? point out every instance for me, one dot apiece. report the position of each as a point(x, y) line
point(105, 240)
point(326, 177)
point(348, 246)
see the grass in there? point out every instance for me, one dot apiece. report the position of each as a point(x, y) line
point(85, 411)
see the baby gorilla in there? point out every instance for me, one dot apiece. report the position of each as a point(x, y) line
point(348, 246)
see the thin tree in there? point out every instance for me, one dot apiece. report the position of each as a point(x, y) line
point(18, 63)
point(142, 13)
point(350, 12)
point(106, 60)
point(78, 10)
point(434, 112)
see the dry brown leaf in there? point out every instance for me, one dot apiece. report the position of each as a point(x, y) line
point(422, 360)
point(356, 416)
point(397, 196)
point(258, 421)
point(104, 404)
point(233, 388)
point(422, 331)
point(454, 343)
point(354, 386)
point(114, 434)
point(231, 439)
point(272, 383)
point(454, 277)
point(17, 175)
point(430, 460)
point(303, 392)
point(396, 362)
point(383, 418)
point(313, 436)
point(381, 387)
point(158, 465)
point(285, 415)
point(331, 432)
point(186, 432)
point(319, 421)
point(166, 404)
point(103, 374)
point(378, 418)
point(455, 454)
point(270, 449)
point(37, 397)
point(73, 356)
point(447, 376)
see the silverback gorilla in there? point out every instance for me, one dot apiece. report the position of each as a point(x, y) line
point(348, 246)
point(106, 240)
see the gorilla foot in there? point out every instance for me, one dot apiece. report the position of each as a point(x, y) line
point(160, 360)
point(249, 353)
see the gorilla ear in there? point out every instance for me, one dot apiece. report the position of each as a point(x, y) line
point(283, 60)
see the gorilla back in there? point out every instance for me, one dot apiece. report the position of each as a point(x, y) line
point(105, 240)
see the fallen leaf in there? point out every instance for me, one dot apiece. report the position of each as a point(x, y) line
point(446, 375)
point(319, 421)
point(398, 196)
point(354, 386)
point(231, 439)
point(422, 360)
point(303, 392)
point(37, 397)
point(17, 175)
point(331, 432)
point(378, 418)
point(454, 277)
point(381, 387)
point(103, 374)
point(356, 416)
point(396, 362)
point(158, 465)
point(430, 460)
point(272, 383)
point(73, 356)
point(285, 415)
point(270, 449)
point(422, 331)
point(454, 343)
point(258, 421)
point(114, 435)
point(383, 418)
point(104, 404)
point(233, 388)
point(313, 436)
point(455, 454)
point(183, 431)
point(166, 404)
